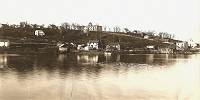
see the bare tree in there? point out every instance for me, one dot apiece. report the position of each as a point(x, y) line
point(65, 25)
point(116, 29)
point(127, 30)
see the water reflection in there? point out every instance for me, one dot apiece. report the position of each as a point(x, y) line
point(99, 77)
point(3, 60)
point(87, 59)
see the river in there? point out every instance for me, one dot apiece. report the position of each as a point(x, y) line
point(99, 77)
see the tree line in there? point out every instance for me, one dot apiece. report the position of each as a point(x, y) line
point(65, 31)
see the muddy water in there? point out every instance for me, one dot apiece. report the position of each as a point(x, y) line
point(99, 77)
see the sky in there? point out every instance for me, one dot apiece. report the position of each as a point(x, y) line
point(179, 17)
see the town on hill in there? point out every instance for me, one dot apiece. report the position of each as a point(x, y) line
point(89, 38)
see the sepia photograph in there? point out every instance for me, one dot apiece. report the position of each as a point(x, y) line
point(99, 49)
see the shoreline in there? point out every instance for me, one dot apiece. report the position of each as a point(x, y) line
point(91, 52)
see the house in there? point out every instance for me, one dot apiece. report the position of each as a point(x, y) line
point(81, 28)
point(59, 44)
point(64, 48)
point(93, 45)
point(150, 47)
point(146, 37)
point(113, 47)
point(4, 43)
point(192, 44)
point(83, 47)
point(39, 33)
point(181, 46)
point(93, 28)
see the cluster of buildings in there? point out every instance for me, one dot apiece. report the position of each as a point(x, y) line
point(91, 45)
point(166, 45)
point(175, 46)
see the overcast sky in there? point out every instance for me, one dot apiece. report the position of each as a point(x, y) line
point(179, 17)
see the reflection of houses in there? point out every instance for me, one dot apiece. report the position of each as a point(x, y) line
point(87, 59)
point(181, 46)
point(39, 33)
point(4, 43)
point(93, 45)
point(113, 47)
point(3, 60)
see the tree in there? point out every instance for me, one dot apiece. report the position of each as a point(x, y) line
point(116, 29)
point(23, 24)
point(65, 26)
point(52, 26)
point(127, 30)
point(35, 26)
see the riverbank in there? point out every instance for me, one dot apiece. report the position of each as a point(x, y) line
point(54, 50)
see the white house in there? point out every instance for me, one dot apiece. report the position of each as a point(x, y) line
point(150, 47)
point(39, 33)
point(93, 45)
point(63, 48)
point(192, 44)
point(4, 43)
point(146, 37)
point(83, 47)
point(181, 46)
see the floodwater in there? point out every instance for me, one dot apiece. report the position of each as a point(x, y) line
point(99, 77)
